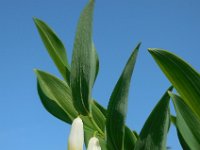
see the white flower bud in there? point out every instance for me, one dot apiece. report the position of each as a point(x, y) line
point(76, 137)
point(93, 144)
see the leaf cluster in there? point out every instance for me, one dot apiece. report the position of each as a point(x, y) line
point(71, 96)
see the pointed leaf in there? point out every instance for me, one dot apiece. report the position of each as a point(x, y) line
point(187, 122)
point(154, 132)
point(83, 62)
point(54, 47)
point(52, 107)
point(58, 91)
point(183, 77)
point(117, 107)
point(129, 140)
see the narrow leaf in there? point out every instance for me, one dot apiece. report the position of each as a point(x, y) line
point(183, 77)
point(83, 62)
point(187, 122)
point(54, 47)
point(117, 107)
point(154, 132)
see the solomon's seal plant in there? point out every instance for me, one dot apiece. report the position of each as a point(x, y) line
point(70, 99)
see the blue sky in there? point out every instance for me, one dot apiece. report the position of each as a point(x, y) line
point(118, 27)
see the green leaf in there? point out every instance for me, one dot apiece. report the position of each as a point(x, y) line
point(173, 119)
point(54, 47)
point(56, 94)
point(96, 62)
point(98, 116)
point(183, 143)
point(136, 134)
point(183, 77)
point(187, 123)
point(101, 108)
point(52, 107)
point(154, 132)
point(129, 139)
point(83, 62)
point(56, 98)
point(117, 107)
point(181, 140)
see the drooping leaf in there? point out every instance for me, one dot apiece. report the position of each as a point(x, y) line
point(54, 47)
point(154, 132)
point(83, 62)
point(187, 123)
point(183, 77)
point(59, 92)
point(117, 107)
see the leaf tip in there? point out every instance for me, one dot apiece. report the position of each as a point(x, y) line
point(37, 72)
point(170, 93)
point(170, 88)
point(138, 45)
point(152, 50)
point(36, 20)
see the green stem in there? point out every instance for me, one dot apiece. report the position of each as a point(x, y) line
point(96, 126)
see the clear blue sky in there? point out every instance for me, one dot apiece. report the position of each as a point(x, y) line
point(118, 26)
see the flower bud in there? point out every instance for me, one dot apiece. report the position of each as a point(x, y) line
point(93, 144)
point(76, 136)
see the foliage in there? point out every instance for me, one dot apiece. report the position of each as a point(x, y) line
point(70, 97)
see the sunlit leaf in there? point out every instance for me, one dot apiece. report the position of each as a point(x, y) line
point(52, 107)
point(58, 91)
point(54, 47)
point(83, 62)
point(183, 77)
point(187, 122)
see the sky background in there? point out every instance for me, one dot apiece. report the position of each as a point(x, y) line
point(118, 26)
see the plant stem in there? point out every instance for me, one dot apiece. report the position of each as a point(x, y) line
point(96, 126)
